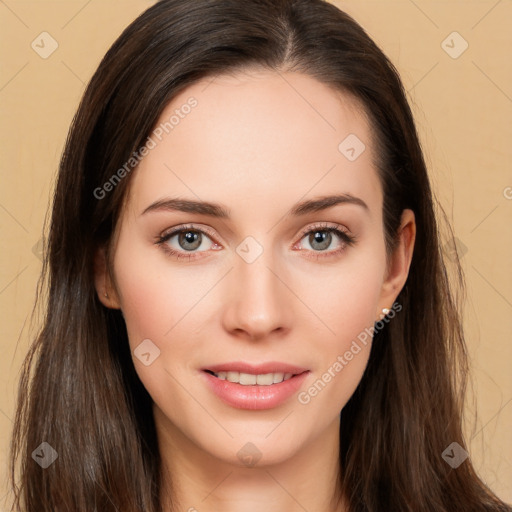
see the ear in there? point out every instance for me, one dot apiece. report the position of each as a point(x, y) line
point(398, 267)
point(102, 282)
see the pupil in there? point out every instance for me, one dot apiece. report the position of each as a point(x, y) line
point(190, 237)
point(323, 238)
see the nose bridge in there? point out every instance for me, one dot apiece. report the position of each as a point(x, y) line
point(259, 302)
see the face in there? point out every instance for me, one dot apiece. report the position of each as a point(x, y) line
point(268, 287)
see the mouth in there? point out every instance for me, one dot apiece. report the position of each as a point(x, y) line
point(249, 374)
point(247, 386)
point(249, 379)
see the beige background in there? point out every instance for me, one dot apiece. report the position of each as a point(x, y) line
point(463, 108)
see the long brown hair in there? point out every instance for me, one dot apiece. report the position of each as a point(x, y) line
point(97, 415)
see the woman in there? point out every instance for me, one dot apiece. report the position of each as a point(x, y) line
point(243, 244)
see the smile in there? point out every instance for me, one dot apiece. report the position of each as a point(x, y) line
point(254, 390)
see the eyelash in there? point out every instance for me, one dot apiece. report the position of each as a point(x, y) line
point(347, 240)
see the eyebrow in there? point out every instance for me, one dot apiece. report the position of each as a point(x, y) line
point(219, 211)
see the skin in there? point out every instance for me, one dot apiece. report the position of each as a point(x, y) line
point(257, 142)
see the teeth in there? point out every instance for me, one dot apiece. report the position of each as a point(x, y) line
point(248, 379)
point(233, 377)
point(278, 377)
point(263, 380)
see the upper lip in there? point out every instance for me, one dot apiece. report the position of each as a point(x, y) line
point(256, 369)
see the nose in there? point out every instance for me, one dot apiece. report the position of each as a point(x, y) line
point(258, 303)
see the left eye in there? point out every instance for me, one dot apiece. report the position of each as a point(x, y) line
point(321, 238)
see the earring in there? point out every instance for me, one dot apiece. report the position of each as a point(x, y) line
point(106, 295)
point(385, 311)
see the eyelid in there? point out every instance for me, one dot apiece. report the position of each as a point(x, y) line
point(185, 227)
point(321, 226)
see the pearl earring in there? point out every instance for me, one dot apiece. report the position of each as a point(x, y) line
point(385, 310)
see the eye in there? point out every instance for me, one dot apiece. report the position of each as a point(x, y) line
point(186, 239)
point(322, 236)
point(184, 242)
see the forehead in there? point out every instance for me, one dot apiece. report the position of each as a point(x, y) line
point(258, 139)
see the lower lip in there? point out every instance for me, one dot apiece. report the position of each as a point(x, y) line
point(254, 397)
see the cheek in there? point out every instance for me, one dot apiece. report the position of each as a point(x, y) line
point(156, 304)
point(170, 307)
point(155, 300)
point(346, 305)
point(343, 298)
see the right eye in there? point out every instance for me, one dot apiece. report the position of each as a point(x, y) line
point(183, 242)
